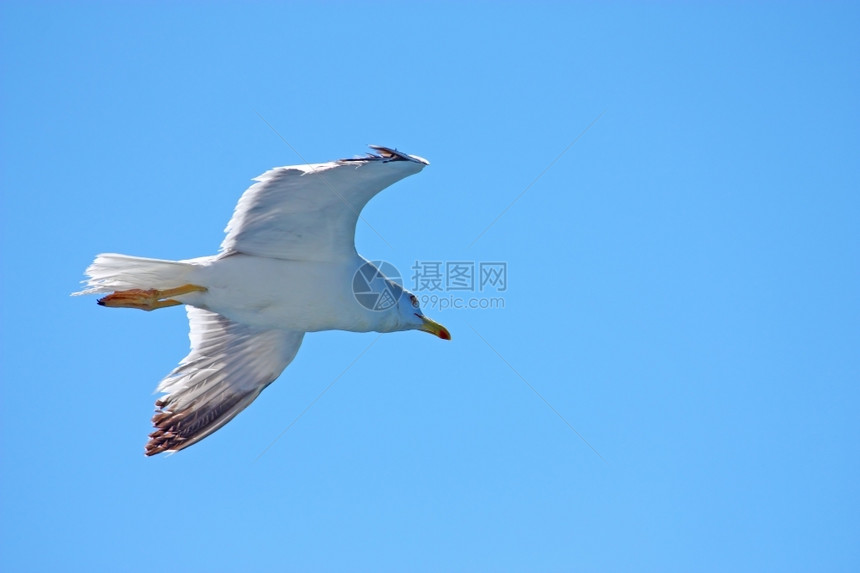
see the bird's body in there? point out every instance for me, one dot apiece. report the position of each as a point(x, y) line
point(251, 290)
point(287, 266)
point(320, 294)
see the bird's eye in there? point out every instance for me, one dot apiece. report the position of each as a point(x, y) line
point(414, 300)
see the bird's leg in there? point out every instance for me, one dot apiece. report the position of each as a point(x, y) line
point(151, 299)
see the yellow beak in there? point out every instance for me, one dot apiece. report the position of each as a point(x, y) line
point(434, 327)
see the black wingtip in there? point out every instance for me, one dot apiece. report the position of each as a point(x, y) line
point(387, 154)
point(390, 154)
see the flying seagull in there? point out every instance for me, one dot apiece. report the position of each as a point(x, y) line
point(287, 266)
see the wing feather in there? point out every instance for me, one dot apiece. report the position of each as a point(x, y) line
point(227, 368)
point(309, 212)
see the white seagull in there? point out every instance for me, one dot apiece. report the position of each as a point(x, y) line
point(287, 266)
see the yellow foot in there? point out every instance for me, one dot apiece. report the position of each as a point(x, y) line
point(151, 299)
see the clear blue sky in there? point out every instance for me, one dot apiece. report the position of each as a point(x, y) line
point(683, 287)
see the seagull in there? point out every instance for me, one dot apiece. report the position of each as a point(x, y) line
point(287, 266)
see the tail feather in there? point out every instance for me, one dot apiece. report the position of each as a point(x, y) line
point(111, 272)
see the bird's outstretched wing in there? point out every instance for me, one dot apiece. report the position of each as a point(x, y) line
point(227, 368)
point(309, 212)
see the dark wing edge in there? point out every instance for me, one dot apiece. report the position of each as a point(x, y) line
point(386, 154)
point(178, 429)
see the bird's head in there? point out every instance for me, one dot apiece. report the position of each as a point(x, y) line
point(412, 317)
point(389, 306)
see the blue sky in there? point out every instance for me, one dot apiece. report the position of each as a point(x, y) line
point(683, 286)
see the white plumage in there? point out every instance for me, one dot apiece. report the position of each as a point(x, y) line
point(286, 267)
